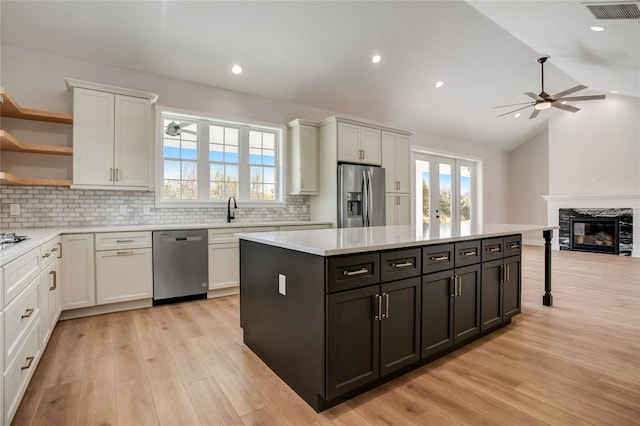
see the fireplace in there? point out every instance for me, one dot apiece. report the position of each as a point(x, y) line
point(599, 235)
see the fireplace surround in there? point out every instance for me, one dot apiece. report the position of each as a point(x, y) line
point(596, 230)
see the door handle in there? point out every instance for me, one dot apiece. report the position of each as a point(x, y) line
point(378, 302)
point(27, 313)
point(459, 281)
point(508, 273)
point(385, 314)
point(29, 360)
point(110, 174)
point(55, 280)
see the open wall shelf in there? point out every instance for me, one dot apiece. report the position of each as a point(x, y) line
point(9, 179)
point(10, 108)
point(9, 143)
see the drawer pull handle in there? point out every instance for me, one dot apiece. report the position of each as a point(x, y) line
point(358, 272)
point(55, 280)
point(124, 241)
point(493, 249)
point(469, 253)
point(119, 253)
point(439, 258)
point(54, 248)
point(27, 313)
point(401, 265)
point(46, 255)
point(27, 364)
point(514, 246)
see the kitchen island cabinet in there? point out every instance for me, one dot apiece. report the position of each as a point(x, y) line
point(336, 312)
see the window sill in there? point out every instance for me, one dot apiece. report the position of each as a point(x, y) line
point(186, 204)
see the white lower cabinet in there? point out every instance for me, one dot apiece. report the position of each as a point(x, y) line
point(398, 209)
point(224, 260)
point(123, 275)
point(78, 271)
point(50, 298)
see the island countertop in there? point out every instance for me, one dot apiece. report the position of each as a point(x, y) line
point(338, 241)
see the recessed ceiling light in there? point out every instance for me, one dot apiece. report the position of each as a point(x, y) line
point(376, 58)
point(597, 29)
point(440, 84)
point(236, 69)
point(614, 91)
point(517, 115)
point(563, 102)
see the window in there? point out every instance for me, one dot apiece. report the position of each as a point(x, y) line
point(205, 160)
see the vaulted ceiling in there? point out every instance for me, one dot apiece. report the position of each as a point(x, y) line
point(318, 53)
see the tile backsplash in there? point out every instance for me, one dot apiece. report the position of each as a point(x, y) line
point(43, 206)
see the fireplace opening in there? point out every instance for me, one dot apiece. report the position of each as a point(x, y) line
point(598, 235)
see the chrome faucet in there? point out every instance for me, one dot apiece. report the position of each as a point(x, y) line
point(231, 214)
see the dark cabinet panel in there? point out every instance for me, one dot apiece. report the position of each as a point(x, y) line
point(467, 253)
point(466, 321)
point(492, 249)
point(400, 264)
point(353, 340)
point(439, 257)
point(512, 287)
point(512, 245)
point(437, 312)
point(491, 295)
point(352, 271)
point(400, 325)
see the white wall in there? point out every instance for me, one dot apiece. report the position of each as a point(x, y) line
point(528, 181)
point(596, 150)
point(36, 80)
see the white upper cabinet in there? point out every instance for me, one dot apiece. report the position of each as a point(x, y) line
point(396, 162)
point(112, 142)
point(303, 158)
point(358, 144)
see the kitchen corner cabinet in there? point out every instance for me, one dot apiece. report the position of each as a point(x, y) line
point(396, 162)
point(303, 158)
point(359, 144)
point(78, 271)
point(111, 137)
point(124, 267)
point(398, 209)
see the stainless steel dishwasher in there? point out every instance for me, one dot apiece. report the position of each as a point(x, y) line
point(180, 266)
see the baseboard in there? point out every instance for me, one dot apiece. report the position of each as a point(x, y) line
point(105, 309)
point(221, 292)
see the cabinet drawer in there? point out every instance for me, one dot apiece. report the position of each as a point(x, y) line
point(492, 249)
point(19, 273)
point(123, 240)
point(49, 251)
point(400, 264)
point(352, 271)
point(436, 258)
point(19, 372)
point(467, 253)
point(223, 235)
point(512, 245)
point(19, 316)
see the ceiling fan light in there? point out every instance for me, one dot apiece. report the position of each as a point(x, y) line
point(542, 105)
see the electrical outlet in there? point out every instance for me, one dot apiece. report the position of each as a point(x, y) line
point(14, 209)
point(146, 209)
point(123, 209)
point(282, 284)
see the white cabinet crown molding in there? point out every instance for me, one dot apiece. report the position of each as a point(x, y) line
point(358, 122)
point(73, 83)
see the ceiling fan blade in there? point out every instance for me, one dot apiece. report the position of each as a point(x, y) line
point(565, 107)
point(522, 103)
point(534, 114)
point(582, 98)
point(568, 91)
point(534, 96)
point(188, 131)
point(507, 113)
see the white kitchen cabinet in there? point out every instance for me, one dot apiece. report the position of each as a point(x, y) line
point(78, 271)
point(396, 162)
point(111, 137)
point(303, 158)
point(398, 209)
point(358, 144)
point(126, 272)
point(50, 287)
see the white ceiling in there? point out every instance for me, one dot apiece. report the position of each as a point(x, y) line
point(318, 53)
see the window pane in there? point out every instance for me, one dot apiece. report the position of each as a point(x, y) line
point(171, 169)
point(189, 171)
point(269, 192)
point(269, 175)
point(172, 189)
point(255, 139)
point(269, 157)
point(189, 190)
point(255, 156)
point(231, 136)
point(216, 152)
point(231, 154)
point(216, 134)
point(189, 150)
point(231, 173)
point(268, 141)
point(465, 200)
point(445, 199)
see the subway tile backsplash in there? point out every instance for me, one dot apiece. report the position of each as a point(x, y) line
point(43, 206)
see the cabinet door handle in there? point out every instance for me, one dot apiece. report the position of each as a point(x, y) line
point(123, 252)
point(468, 253)
point(459, 279)
point(492, 249)
point(116, 174)
point(502, 274)
point(110, 174)
point(124, 241)
point(385, 314)
point(453, 280)
point(401, 265)
point(27, 313)
point(363, 154)
point(508, 273)
point(378, 302)
point(55, 280)
point(59, 251)
point(358, 272)
point(439, 258)
point(27, 364)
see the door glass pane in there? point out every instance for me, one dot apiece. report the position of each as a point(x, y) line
point(444, 178)
point(422, 172)
point(465, 200)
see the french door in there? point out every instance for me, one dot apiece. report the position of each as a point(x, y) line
point(445, 195)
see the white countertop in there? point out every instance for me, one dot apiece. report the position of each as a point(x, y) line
point(337, 241)
point(38, 236)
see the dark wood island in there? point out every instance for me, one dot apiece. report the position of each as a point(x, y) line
point(336, 312)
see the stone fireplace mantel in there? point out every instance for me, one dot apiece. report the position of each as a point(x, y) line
point(602, 201)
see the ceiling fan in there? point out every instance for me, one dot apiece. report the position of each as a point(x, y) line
point(543, 100)
point(174, 129)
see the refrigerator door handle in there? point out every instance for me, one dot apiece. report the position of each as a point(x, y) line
point(365, 200)
point(369, 199)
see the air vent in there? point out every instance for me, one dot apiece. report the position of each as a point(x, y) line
point(618, 10)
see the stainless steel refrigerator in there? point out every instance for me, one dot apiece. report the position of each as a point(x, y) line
point(361, 196)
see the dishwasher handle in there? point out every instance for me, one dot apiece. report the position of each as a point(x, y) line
point(188, 238)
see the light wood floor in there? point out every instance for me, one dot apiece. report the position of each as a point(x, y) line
point(577, 362)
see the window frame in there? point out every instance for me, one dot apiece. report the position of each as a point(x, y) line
point(203, 163)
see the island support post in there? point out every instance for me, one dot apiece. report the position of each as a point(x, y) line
point(547, 299)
